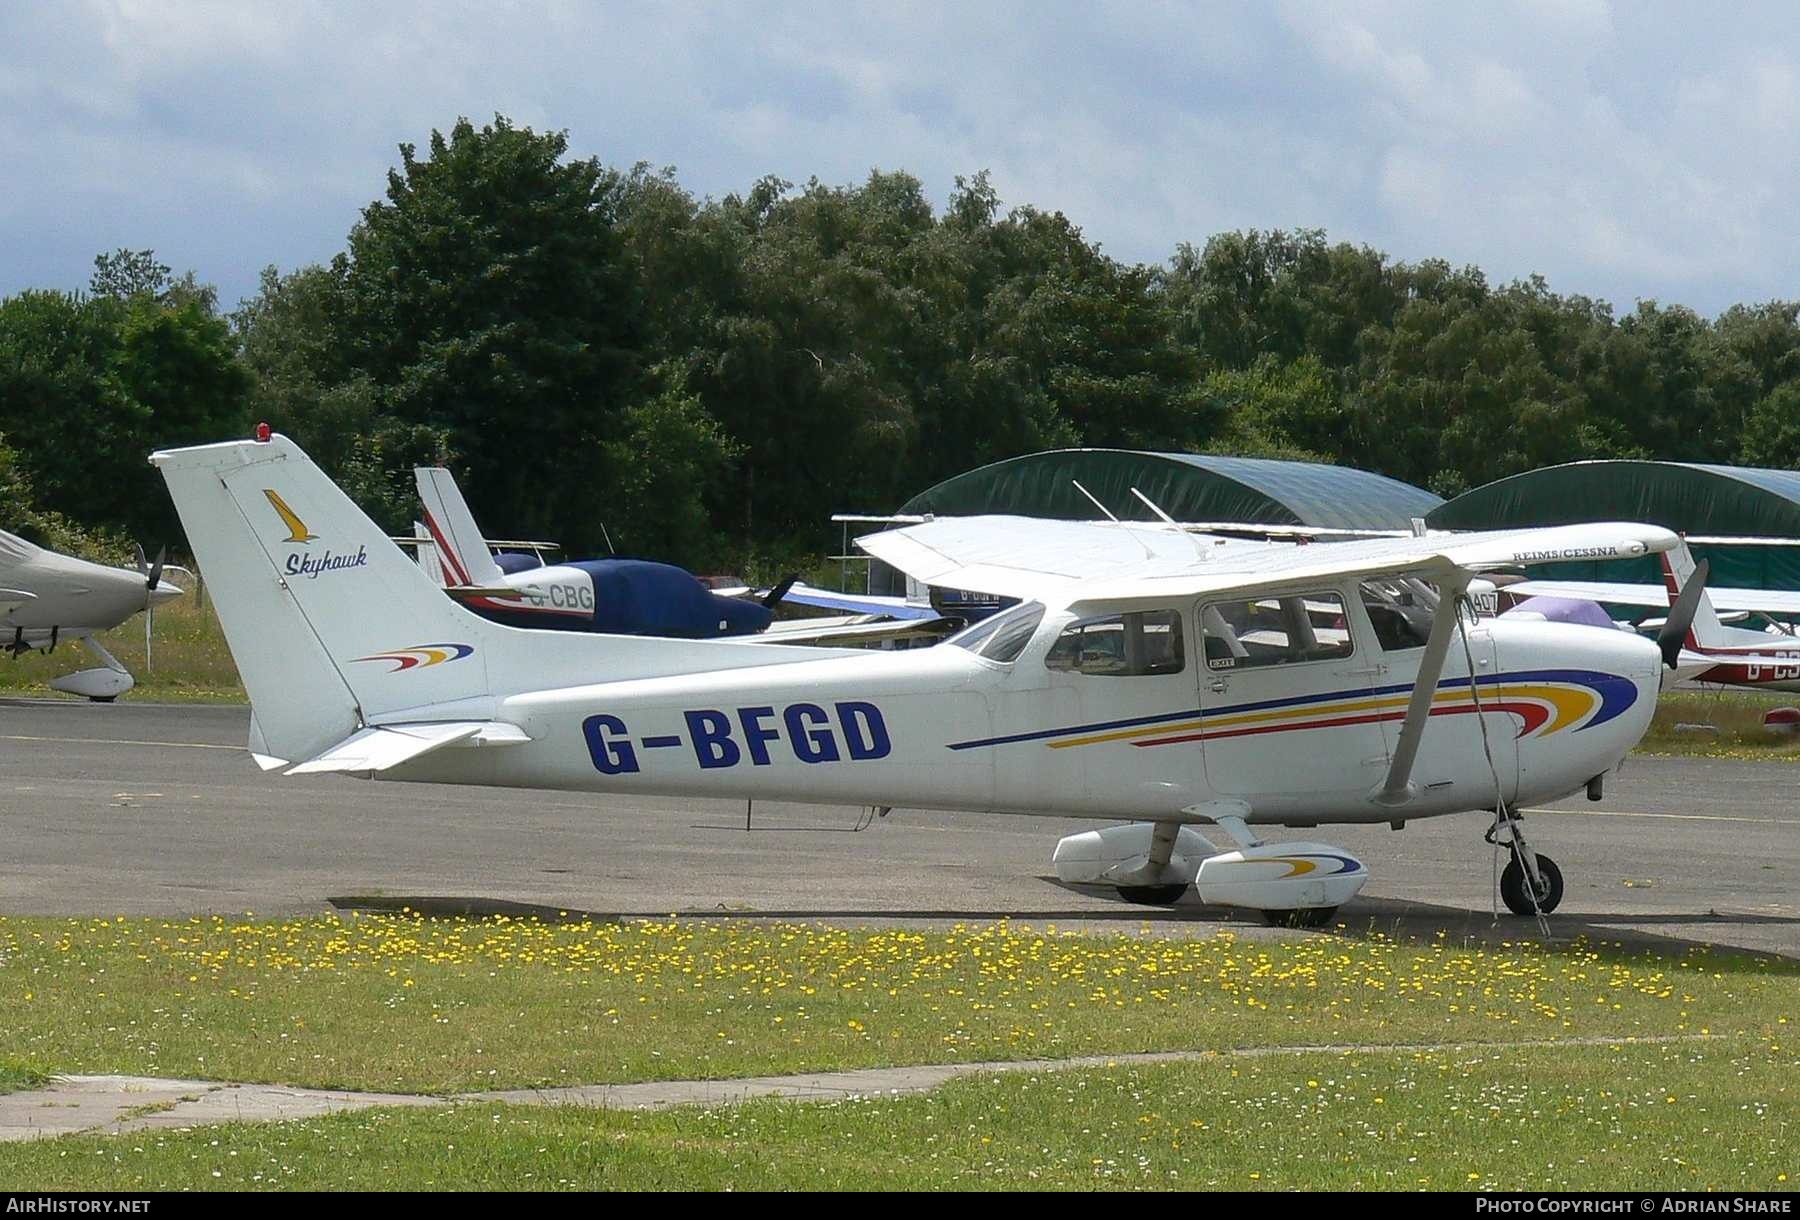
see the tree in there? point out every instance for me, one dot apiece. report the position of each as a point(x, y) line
point(659, 469)
point(1772, 433)
point(66, 409)
point(125, 274)
point(489, 297)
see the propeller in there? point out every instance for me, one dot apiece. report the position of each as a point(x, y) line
point(773, 597)
point(1681, 616)
point(152, 574)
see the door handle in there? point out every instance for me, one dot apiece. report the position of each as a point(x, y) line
point(1219, 686)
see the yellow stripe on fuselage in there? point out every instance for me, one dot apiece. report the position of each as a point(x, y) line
point(1570, 704)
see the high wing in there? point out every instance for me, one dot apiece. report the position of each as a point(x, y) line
point(1766, 601)
point(1063, 562)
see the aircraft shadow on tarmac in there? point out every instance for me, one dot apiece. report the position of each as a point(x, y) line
point(1393, 919)
point(1423, 923)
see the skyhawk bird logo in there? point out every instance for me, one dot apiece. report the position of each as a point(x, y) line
point(297, 531)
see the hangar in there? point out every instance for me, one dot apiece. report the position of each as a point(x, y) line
point(1745, 519)
point(1192, 487)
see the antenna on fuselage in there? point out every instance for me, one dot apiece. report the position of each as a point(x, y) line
point(1094, 500)
point(1199, 549)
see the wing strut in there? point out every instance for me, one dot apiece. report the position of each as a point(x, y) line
point(1397, 789)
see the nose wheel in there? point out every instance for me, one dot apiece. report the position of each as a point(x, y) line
point(1530, 884)
point(1517, 889)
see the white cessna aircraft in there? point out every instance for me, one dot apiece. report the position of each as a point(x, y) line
point(1152, 676)
point(47, 599)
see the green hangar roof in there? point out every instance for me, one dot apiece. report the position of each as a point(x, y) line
point(1740, 501)
point(1187, 486)
point(1716, 502)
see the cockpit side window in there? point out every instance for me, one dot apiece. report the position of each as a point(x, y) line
point(1400, 610)
point(1139, 644)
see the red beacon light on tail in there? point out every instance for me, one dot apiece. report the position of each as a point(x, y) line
point(262, 434)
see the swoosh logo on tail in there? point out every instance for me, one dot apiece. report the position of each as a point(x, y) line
point(297, 531)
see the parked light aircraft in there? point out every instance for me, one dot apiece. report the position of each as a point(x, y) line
point(1711, 652)
point(625, 596)
point(621, 596)
point(1146, 675)
point(47, 598)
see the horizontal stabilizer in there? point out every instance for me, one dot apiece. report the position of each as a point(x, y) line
point(384, 746)
point(1765, 601)
point(463, 593)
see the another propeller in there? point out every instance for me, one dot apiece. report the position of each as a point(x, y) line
point(152, 574)
point(773, 597)
point(1674, 631)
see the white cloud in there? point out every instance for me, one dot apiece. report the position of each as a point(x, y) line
point(1622, 155)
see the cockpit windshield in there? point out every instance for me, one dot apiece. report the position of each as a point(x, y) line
point(1004, 636)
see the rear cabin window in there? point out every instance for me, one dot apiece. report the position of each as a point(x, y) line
point(1275, 631)
point(1141, 643)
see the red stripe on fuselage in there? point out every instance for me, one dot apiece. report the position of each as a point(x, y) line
point(1533, 714)
point(525, 607)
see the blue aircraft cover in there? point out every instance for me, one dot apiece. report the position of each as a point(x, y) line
point(638, 597)
point(512, 562)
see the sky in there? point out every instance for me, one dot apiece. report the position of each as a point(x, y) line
point(1643, 151)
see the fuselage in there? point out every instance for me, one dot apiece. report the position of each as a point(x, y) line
point(1140, 718)
point(1750, 658)
point(72, 598)
point(621, 597)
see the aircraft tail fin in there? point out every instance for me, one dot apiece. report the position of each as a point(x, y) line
point(1678, 569)
point(318, 605)
point(426, 554)
point(462, 548)
point(334, 629)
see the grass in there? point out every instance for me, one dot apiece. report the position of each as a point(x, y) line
point(15, 1075)
point(410, 1005)
point(1735, 714)
point(191, 659)
point(1688, 1116)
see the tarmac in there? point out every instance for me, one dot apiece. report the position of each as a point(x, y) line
point(147, 809)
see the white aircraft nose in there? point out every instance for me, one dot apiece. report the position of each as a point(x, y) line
point(163, 592)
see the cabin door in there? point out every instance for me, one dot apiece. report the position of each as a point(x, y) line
point(1286, 697)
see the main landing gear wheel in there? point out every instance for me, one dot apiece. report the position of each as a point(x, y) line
point(1153, 895)
point(1300, 917)
point(1514, 887)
